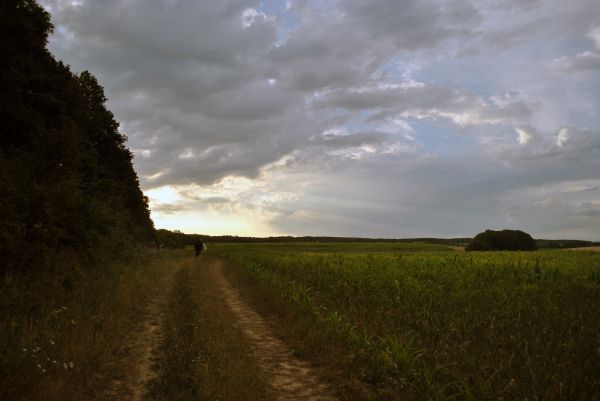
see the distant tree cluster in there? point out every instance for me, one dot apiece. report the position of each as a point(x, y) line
point(505, 240)
point(564, 243)
point(66, 174)
point(176, 239)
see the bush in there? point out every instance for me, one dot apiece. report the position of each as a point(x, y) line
point(505, 240)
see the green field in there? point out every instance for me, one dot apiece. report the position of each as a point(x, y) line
point(323, 248)
point(424, 322)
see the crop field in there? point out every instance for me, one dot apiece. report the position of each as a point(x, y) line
point(425, 322)
point(324, 248)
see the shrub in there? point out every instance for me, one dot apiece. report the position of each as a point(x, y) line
point(505, 240)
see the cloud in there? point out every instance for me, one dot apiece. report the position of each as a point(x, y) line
point(166, 208)
point(593, 213)
point(387, 118)
point(426, 101)
point(413, 24)
point(586, 61)
point(594, 35)
point(581, 62)
point(526, 135)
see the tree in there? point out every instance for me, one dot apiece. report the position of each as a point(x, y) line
point(505, 240)
point(67, 178)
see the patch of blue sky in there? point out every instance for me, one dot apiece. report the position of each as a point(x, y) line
point(473, 75)
point(279, 9)
point(356, 122)
point(437, 136)
point(587, 116)
point(442, 137)
point(400, 69)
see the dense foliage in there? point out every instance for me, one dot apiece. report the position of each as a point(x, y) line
point(443, 325)
point(176, 239)
point(68, 184)
point(505, 240)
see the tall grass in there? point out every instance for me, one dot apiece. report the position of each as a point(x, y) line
point(59, 331)
point(442, 326)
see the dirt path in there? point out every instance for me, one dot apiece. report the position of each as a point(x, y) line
point(291, 378)
point(133, 367)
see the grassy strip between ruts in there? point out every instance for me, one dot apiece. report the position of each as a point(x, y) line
point(205, 356)
point(60, 336)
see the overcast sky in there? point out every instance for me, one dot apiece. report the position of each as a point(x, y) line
point(388, 118)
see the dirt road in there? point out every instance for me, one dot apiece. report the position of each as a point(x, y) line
point(132, 368)
point(133, 365)
point(291, 378)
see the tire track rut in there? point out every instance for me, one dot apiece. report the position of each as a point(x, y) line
point(292, 379)
point(134, 368)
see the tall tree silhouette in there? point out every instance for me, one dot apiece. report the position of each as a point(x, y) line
point(67, 178)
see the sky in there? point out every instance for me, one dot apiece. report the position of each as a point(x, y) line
point(386, 118)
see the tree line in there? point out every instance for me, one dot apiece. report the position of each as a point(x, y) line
point(67, 179)
point(178, 239)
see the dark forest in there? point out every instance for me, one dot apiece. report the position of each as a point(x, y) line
point(68, 184)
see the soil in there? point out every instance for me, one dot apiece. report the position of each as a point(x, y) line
point(133, 366)
point(291, 378)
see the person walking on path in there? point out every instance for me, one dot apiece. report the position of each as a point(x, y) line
point(200, 247)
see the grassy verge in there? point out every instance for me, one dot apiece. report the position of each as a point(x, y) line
point(59, 331)
point(205, 356)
